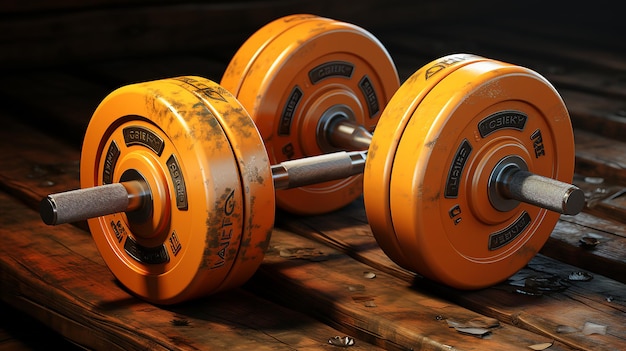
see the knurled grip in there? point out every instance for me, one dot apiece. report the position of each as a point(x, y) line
point(78, 205)
point(544, 192)
point(317, 169)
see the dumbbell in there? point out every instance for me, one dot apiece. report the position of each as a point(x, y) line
point(181, 207)
point(504, 139)
point(462, 180)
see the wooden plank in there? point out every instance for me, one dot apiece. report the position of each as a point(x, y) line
point(17, 330)
point(28, 175)
point(607, 258)
point(600, 114)
point(550, 314)
point(347, 231)
point(52, 100)
point(594, 239)
point(56, 275)
point(600, 156)
point(382, 308)
point(604, 199)
point(541, 315)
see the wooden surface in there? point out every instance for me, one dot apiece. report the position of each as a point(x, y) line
point(323, 276)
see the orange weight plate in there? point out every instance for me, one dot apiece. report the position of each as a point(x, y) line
point(306, 69)
point(256, 177)
point(477, 116)
point(166, 133)
point(382, 151)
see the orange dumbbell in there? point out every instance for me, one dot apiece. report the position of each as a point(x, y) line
point(464, 177)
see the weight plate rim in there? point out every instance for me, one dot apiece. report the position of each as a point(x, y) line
point(255, 176)
point(381, 154)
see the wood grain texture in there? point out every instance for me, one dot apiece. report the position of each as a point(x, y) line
point(347, 231)
point(56, 275)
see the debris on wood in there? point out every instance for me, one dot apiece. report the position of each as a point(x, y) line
point(594, 180)
point(341, 341)
point(356, 287)
point(542, 346)
point(479, 327)
point(594, 328)
point(180, 322)
point(305, 253)
point(370, 303)
point(580, 276)
point(369, 275)
point(565, 329)
point(588, 242)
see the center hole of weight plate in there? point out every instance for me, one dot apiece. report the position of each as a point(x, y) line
point(141, 200)
point(332, 134)
point(497, 179)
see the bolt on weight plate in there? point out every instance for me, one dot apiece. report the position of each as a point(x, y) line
point(296, 71)
point(439, 170)
point(177, 135)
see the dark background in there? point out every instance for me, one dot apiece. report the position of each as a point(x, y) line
point(35, 34)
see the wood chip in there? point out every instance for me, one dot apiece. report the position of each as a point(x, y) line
point(311, 254)
point(593, 328)
point(539, 347)
point(484, 322)
point(565, 329)
point(580, 276)
point(478, 332)
point(369, 275)
point(370, 303)
point(588, 242)
point(341, 341)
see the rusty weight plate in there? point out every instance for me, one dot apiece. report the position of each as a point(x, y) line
point(198, 150)
point(298, 69)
